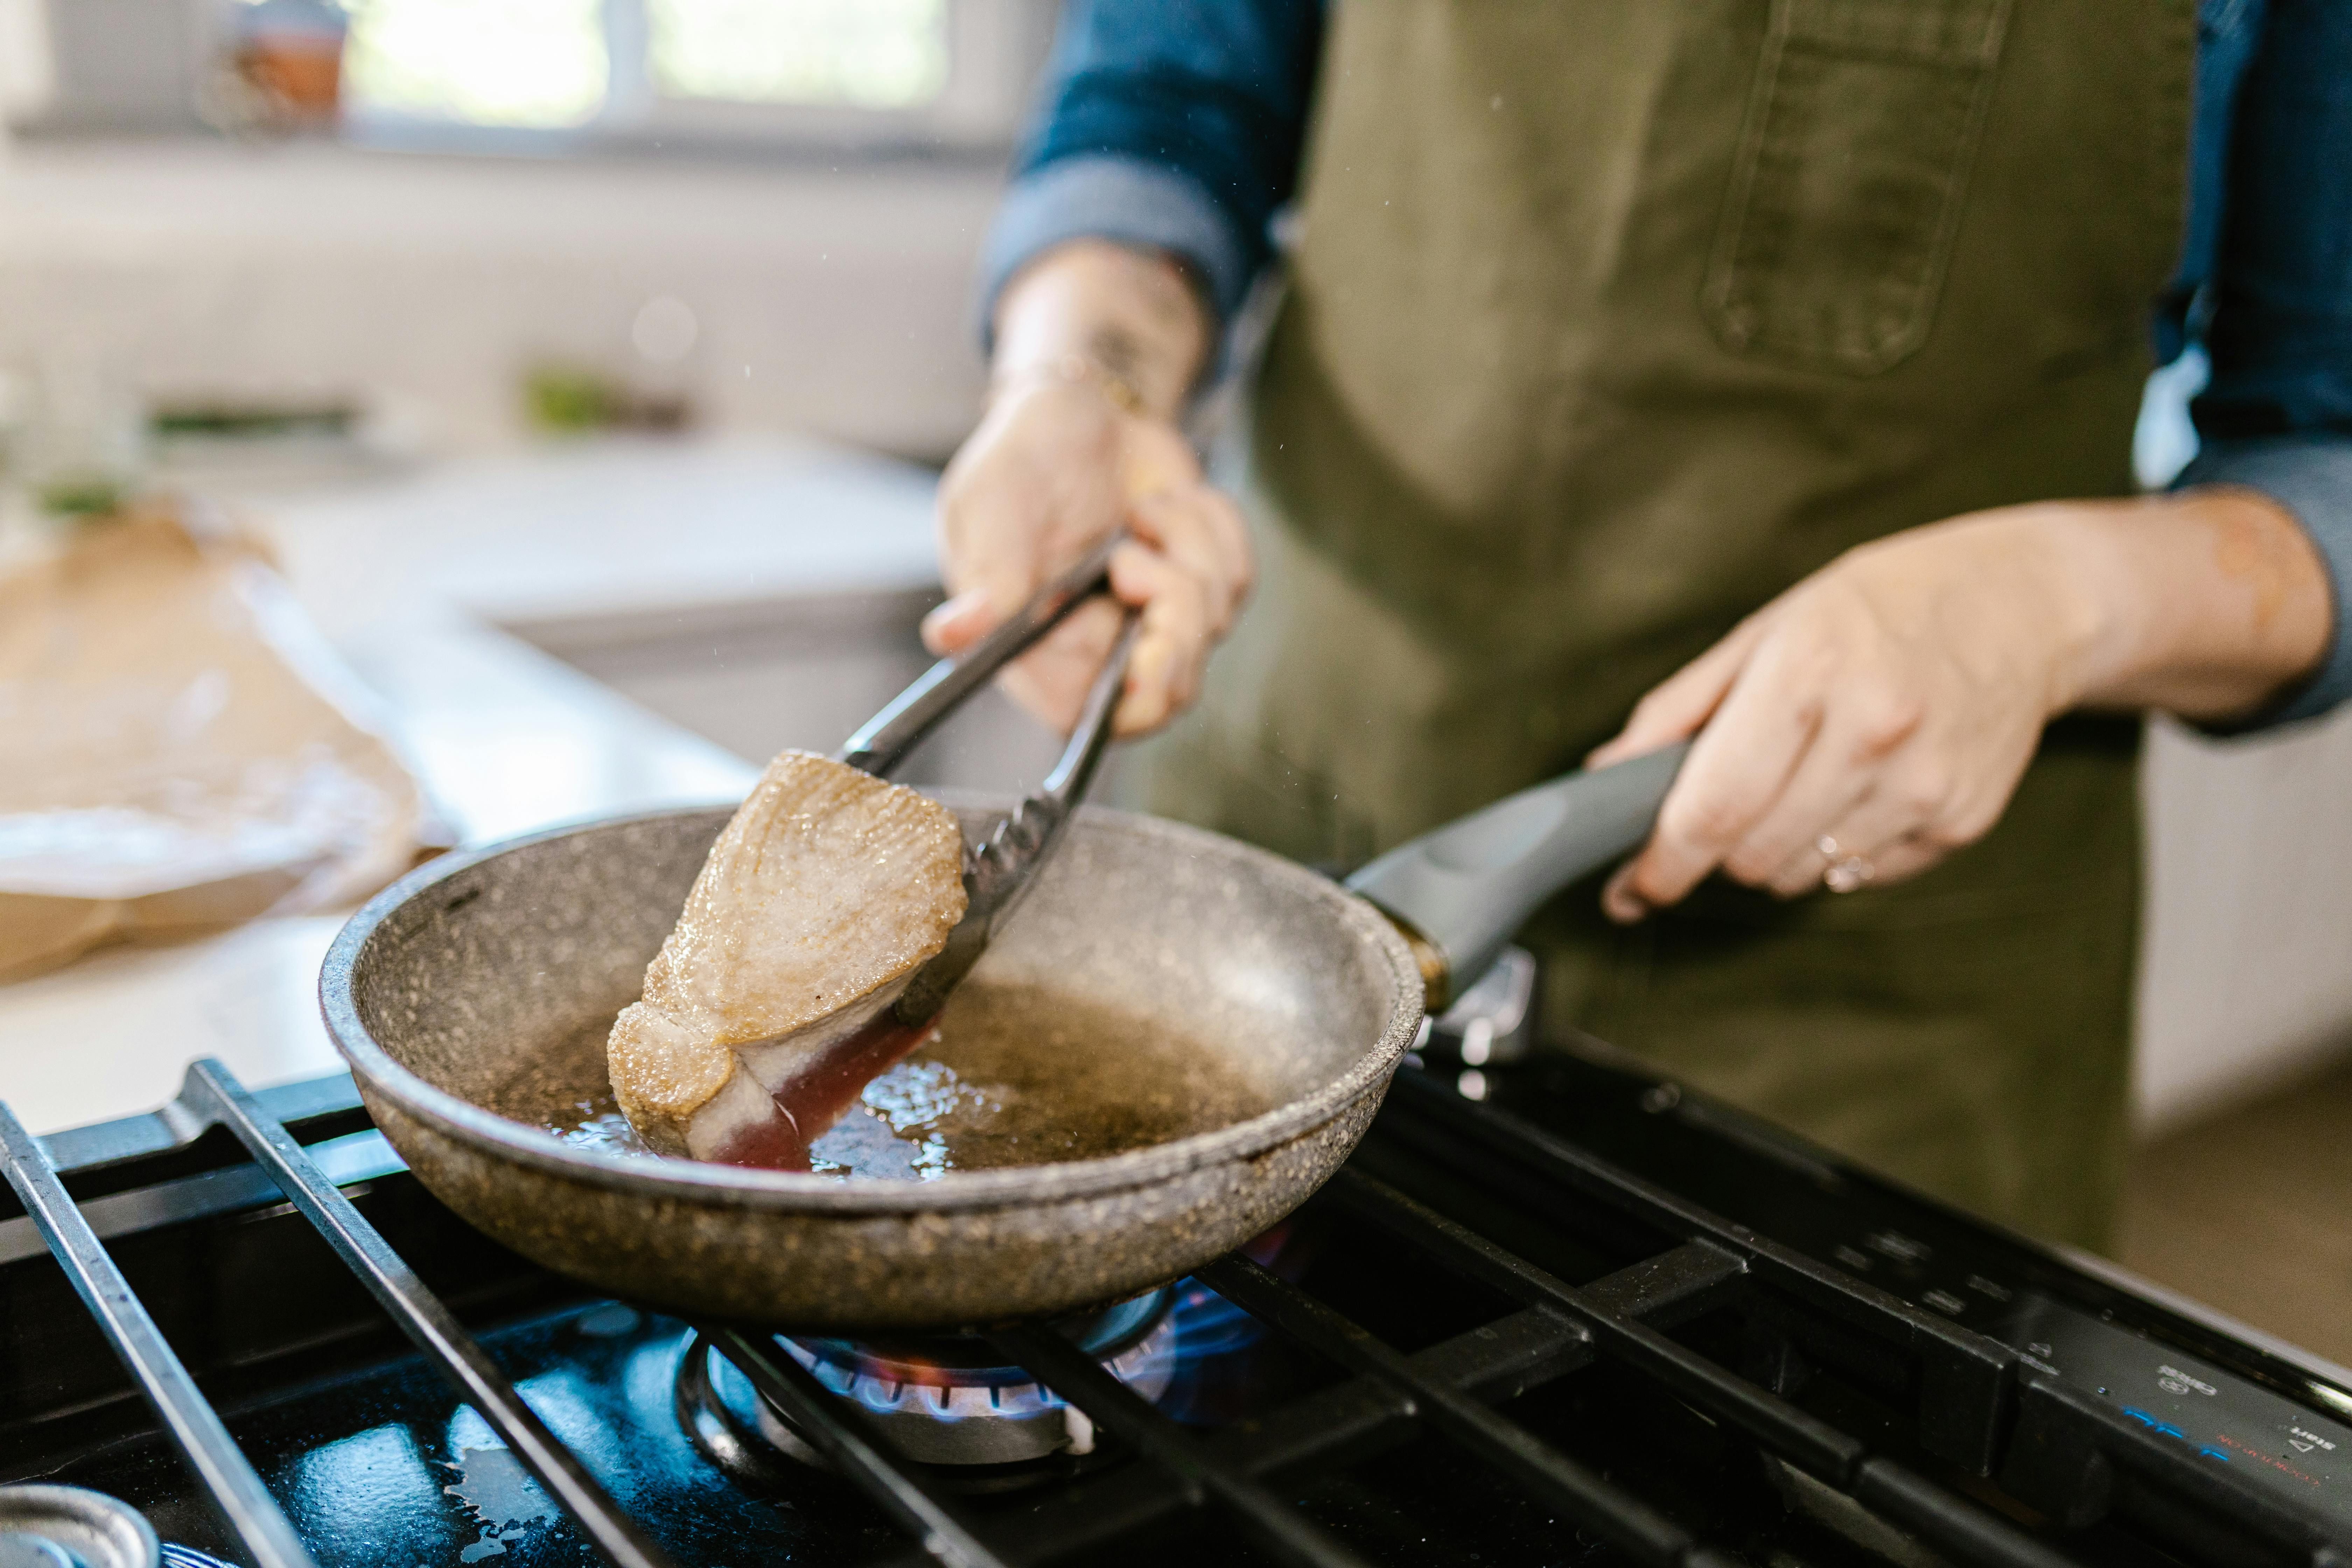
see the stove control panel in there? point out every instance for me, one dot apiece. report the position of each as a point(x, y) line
point(2284, 1449)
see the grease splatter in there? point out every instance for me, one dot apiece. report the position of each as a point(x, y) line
point(500, 1493)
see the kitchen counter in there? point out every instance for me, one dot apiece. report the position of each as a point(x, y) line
point(412, 579)
point(679, 548)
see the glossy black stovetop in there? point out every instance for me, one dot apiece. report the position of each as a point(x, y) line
point(1586, 1318)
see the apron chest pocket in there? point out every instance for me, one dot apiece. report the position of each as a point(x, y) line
point(1847, 192)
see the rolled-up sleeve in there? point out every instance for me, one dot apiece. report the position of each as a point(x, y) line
point(1174, 124)
point(2277, 414)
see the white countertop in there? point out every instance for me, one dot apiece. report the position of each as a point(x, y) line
point(410, 577)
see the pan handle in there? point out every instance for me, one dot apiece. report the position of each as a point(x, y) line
point(1459, 892)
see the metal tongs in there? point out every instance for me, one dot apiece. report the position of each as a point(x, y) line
point(997, 873)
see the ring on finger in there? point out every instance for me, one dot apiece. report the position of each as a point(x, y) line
point(1843, 872)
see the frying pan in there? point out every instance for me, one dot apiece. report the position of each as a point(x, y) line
point(455, 994)
point(455, 980)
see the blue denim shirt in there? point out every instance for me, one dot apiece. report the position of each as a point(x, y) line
point(1178, 124)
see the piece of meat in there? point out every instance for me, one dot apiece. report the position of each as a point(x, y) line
point(769, 1007)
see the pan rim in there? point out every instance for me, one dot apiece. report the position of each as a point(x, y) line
point(1020, 1186)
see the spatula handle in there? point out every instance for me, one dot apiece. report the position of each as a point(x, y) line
point(1465, 887)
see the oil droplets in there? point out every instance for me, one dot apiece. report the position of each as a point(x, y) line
point(900, 1128)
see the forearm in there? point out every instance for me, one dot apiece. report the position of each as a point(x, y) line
point(1877, 715)
point(1093, 308)
point(2206, 603)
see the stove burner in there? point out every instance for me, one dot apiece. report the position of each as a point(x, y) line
point(72, 1527)
point(945, 1400)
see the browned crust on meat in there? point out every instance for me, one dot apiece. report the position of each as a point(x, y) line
point(828, 885)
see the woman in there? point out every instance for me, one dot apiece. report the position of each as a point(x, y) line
point(1760, 370)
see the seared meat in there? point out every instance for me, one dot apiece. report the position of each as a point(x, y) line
point(767, 1009)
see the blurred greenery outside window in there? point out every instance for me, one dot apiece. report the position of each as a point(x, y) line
point(558, 64)
point(867, 54)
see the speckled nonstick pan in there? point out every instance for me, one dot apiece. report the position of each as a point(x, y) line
point(443, 987)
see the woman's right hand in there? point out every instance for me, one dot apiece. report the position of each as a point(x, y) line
point(1056, 465)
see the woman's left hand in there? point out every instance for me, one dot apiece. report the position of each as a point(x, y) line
point(1877, 715)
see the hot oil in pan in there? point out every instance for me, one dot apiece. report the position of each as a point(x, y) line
point(1014, 1075)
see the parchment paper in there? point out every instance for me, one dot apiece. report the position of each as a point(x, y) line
point(178, 746)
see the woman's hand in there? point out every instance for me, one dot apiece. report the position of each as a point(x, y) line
point(1878, 715)
point(1096, 347)
point(1056, 467)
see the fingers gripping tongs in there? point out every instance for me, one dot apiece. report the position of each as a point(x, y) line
point(997, 872)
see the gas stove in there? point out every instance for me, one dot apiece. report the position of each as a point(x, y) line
point(1554, 1311)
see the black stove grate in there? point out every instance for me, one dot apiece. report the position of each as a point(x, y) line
point(193, 1423)
point(1997, 1460)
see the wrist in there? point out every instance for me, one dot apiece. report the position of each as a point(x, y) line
point(1072, 368)
point(1126, 321)
point(2094, 603)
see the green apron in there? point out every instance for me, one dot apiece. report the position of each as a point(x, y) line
point(1610, 321)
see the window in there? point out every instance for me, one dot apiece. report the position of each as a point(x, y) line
point(692, 70)
point(537, 75)
point(874, 54)
point(483, 62)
